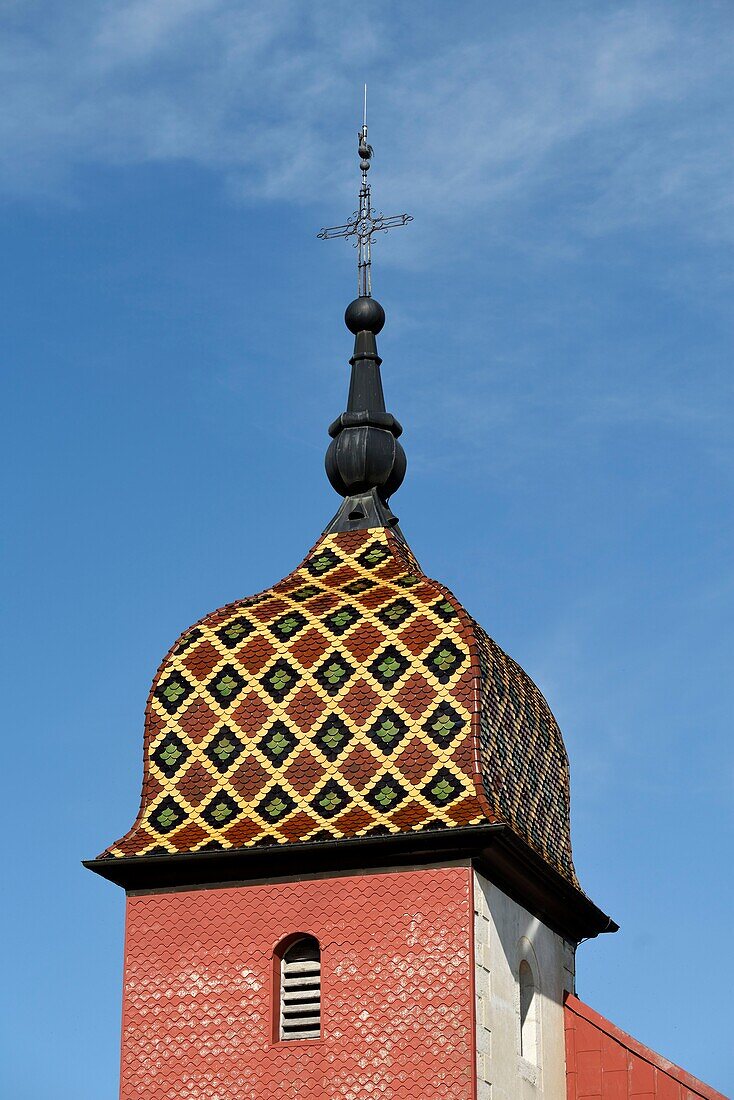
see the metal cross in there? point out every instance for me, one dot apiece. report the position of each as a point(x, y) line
point(363, 224)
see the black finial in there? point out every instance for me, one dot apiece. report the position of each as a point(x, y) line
point(364, 315)
point(364, 462)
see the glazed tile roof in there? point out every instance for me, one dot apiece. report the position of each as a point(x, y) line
point(356, 697)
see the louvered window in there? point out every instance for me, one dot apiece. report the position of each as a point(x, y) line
point(300, 990)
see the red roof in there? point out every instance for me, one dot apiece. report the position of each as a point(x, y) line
point(604, 1063)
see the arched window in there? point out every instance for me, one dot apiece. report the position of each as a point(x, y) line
point(300, 990)
point(528, 1014)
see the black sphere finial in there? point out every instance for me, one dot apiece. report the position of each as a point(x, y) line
point(364, 315)
point(365, 462)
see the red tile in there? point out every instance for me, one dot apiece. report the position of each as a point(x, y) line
point(666, 1087)
point(198, 1011)
point(255, 654)
point(614, 1055)
point(614, 1084)
point(266, 611)
point(298, 826)
point(307, 648)
point(305, 708)
point(358, 769)
point(588, 1067)
point(197, 720)
point(363, 642)
point(250, 781)
point(416, 696)
point(642, 1077)
point(201, 659)
point(418, 633)
point(242, 832)
point(360, 703)
point(250, 714)
point(302, 774)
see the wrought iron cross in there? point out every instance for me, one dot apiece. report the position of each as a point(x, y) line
point(364, 224)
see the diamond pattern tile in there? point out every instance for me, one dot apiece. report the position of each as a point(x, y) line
point(524, 763)
point(355, 695)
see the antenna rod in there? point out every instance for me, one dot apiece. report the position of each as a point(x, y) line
point(364, 116)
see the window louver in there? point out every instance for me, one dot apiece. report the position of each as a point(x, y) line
point(300, 990)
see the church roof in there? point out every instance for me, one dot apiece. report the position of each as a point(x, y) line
point(354, 698)
point(354, 712)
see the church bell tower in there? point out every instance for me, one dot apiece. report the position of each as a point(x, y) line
point(350, 876)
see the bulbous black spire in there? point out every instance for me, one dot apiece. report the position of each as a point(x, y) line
point(365, 463)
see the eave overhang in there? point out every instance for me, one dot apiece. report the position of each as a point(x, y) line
point(494, 850)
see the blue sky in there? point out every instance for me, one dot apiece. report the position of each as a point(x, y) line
point(558, 347)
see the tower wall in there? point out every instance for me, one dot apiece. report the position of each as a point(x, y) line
point(397, 996)
point(506, 936)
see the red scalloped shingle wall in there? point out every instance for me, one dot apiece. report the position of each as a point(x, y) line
point(604, 1063)
point(396, 991)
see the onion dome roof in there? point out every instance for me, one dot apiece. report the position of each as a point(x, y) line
point(354, 698)
point(354, 704)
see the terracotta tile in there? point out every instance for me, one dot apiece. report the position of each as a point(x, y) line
point(139, 841)
point(341, 576)
point(188, 836)
point(250, 781)
point(320, 605)
point(305, 708)
point(302, 772)
point(463, 812)
point(416, 695)
point(363, 641)
point(242, 832)
point(267, 610)
point(375, 597)
point(410, 815)
point(465, 689)
point(153, 726)
point(415, 761)
point(417, 639)
point(201, 659)
point(510, 701)
point(359, 767)
point(196, 783)
point(307, 648)
point(250, 715)
point(355, 819)
point(198, 720)
point(360, 703)
point(198, 962)
point(151, 787)
point(295, 828)
point(255, 654)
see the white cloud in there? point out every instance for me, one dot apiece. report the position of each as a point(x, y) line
point(619, 111)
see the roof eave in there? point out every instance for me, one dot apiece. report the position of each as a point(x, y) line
point(493, 848)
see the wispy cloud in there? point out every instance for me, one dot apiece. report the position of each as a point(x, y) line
point(621, 111)
point(499, 132)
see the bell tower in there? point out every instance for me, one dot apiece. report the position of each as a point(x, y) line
point(350, 875)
